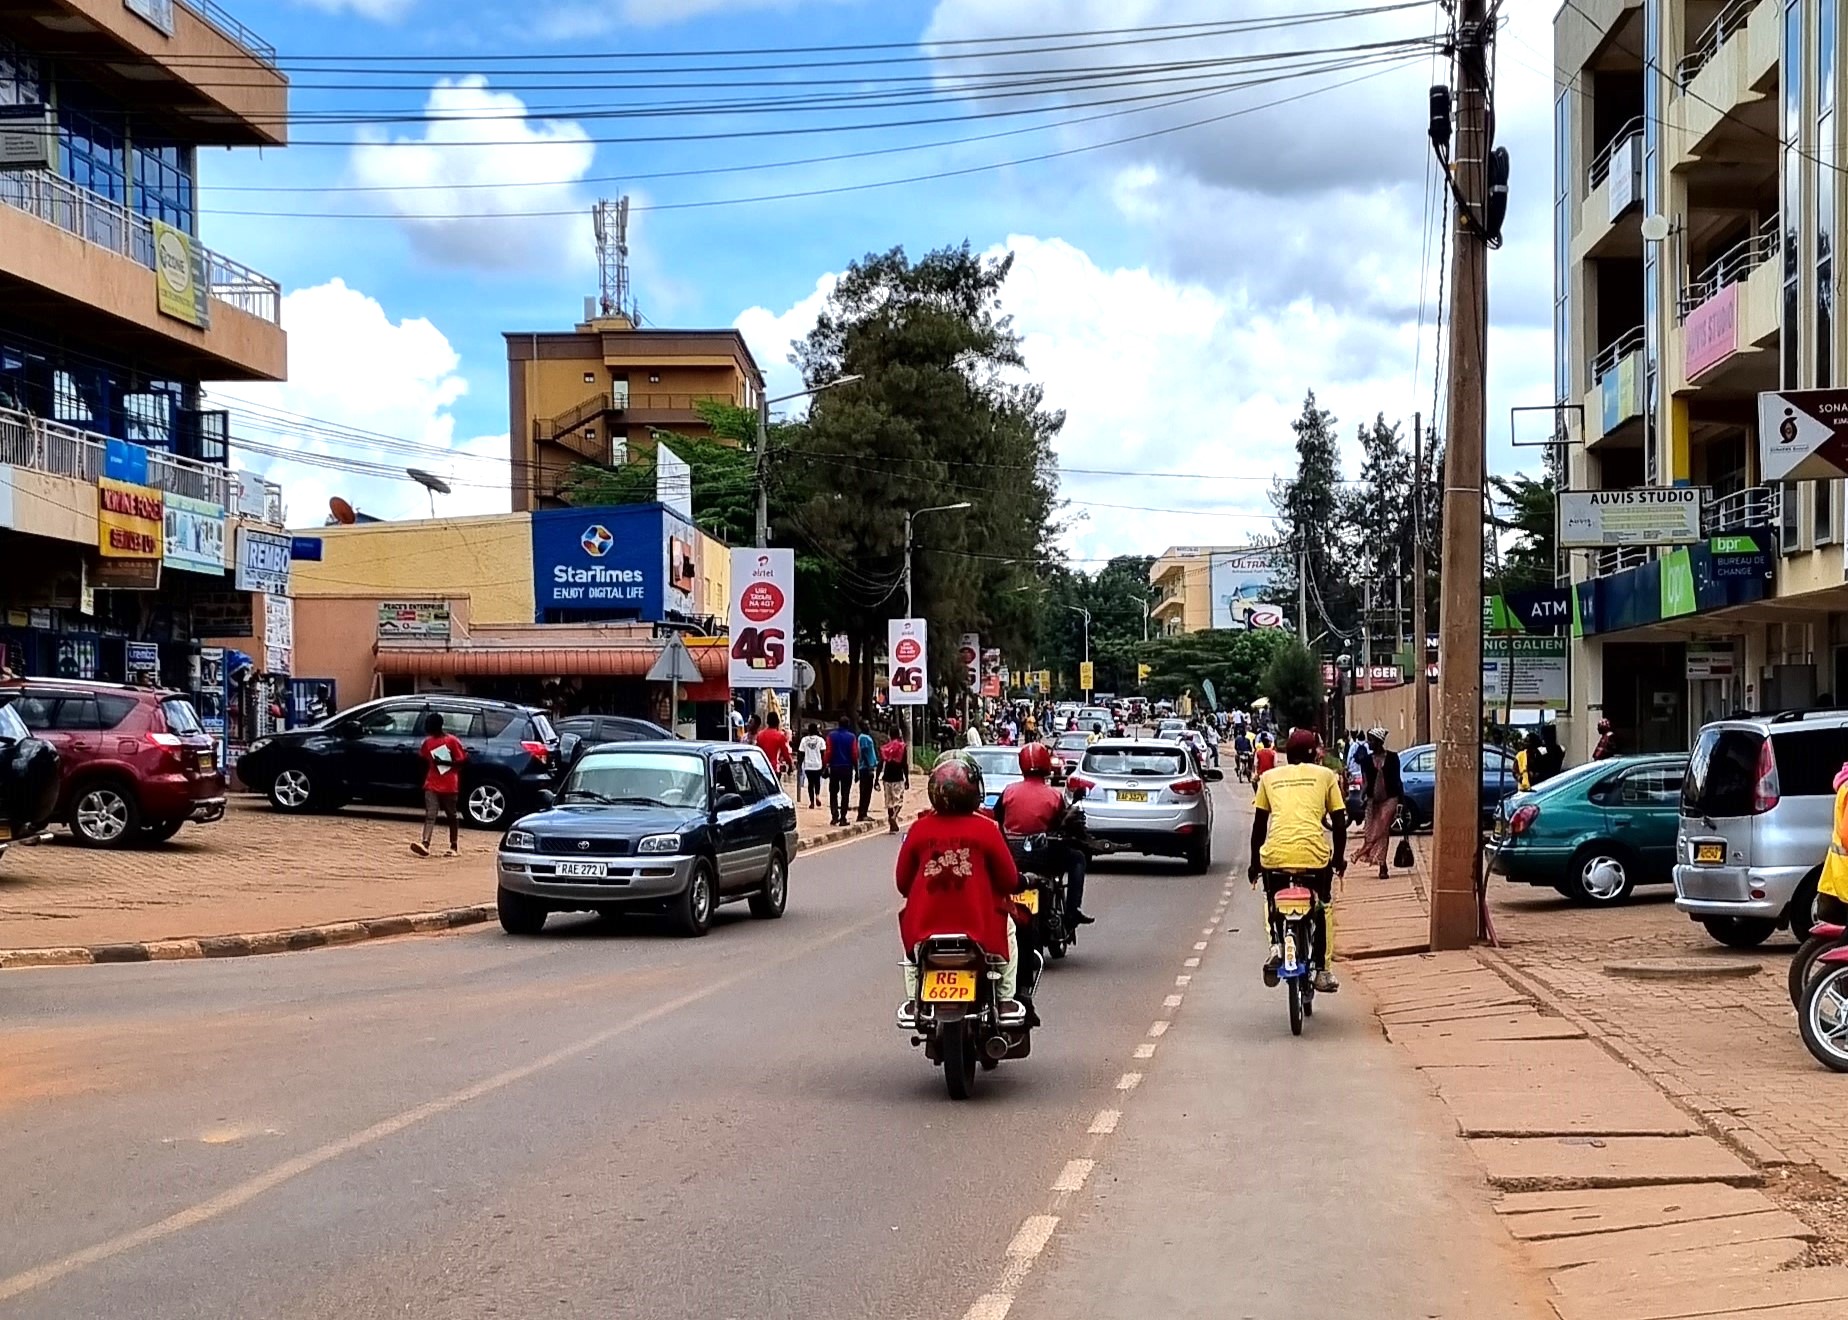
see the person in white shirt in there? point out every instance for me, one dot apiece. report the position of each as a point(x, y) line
point(813, 747)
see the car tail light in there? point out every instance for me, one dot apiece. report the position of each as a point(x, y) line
point(1186, 787)
point(1079, 784)
point(167, 740)
point(537, 750)
point(1522, 818)
point(1766, 790)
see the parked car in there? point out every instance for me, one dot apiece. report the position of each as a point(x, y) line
point(1757, 809)
point(1418, 769)
point(1000, 767)
point(594, 729)
point(136, 765)
point(680, 827)
point(371, 753)
point(28, 781)
point(1067, 751)
point(1596, 831)
point(1150, 797)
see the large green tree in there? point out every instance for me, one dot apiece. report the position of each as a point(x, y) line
point(1309, 509)
point(1521, 521)
point(1233, 660)
point(1293, 682)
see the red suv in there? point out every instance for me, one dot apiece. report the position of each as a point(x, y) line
point(136, 762)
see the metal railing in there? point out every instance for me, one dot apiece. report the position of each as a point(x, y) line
point(1755, 506)
point(571, 419)
point(1728, 21)
point(95, 219)
point(1618, 559)
point(62, 450)
point(1731, 266)
point(675, 402)
point(232, 28)
point(1605, 360)
point(1601, 163)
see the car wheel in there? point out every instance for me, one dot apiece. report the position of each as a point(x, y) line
point(291, 790)
point(104, 816)
point(1200, 855)
point(161, 832)
point(486, 806)
point(1740, 932)
point(693, 909)
point(770, 901)
point(1802, 910)
point(519, 914)
point(1602, 876)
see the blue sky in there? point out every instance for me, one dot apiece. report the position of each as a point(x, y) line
point(1177, 294)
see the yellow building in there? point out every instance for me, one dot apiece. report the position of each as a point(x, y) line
point(599, 393)
point(1181, 582)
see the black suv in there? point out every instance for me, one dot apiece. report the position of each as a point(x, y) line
point(371, 753)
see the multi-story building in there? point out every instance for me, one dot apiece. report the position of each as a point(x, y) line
point(1697, 209)
point(600, 393)
point(120, 517)
point(1180, 585)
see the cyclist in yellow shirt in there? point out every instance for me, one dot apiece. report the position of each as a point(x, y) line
point(1288, 846)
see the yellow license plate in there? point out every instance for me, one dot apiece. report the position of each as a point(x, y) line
point(1028, 899)
point(1293, 907)
point(1710, 854)
point(1131, 797)
point(208, 762)
point(6, 831)
point(949, 987)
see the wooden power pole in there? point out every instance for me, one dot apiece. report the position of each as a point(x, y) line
point(1456, 830)
point(1421, 694)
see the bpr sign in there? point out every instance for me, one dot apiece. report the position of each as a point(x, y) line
point(1803, 434)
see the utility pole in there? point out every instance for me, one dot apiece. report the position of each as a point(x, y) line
point(1366, 634)
point(1302, 596)
point(1421, 695)
point(1456, 843)
point(760, 471)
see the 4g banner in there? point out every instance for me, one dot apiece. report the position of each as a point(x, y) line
point(763, 618)
point(907, 663)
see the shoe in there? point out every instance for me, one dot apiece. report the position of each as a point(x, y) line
point(1077, 918)
point(1271, 964)
point(1011, 1012)
point(907, 1018)
point(1325, 982)
point(421, 849)
point(452, 853)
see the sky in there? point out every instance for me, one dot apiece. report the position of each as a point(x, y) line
point(1177, 294)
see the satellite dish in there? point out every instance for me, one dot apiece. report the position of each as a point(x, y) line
point(428, 480)
point(342, 511)
point(1655, 228)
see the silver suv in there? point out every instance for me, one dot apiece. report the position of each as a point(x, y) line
point(1757, 808)
point(1151, 797)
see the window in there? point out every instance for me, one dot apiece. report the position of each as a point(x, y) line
point(1650, 786)
point(494, 722)
point(91, 153)
point(1138, 761)
point(164, 187)
point(11, 726)
point(180, 716)
point(763, 779)
point(1419, 764)
point(1823, 511)
point(390, 721)
point(1808, 759)
point(1722, 773)
point(20, 80)
point(1827, 182)
point(664, 778)
point(461, 721)
point(77, 714)
point(36, 708)
point(112, 710)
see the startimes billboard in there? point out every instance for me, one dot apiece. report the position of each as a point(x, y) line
point(609, 561)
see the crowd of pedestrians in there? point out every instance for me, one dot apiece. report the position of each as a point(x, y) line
point(856, 758)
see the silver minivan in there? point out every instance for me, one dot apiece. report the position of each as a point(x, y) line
point(1757, 808)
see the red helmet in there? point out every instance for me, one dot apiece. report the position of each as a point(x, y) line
point(1035, 759)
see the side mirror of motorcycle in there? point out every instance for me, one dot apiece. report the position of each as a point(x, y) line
point(1214, 774)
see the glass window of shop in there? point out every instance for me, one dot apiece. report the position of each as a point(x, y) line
point(94, 396)
point(101, 149)
point(20, 80)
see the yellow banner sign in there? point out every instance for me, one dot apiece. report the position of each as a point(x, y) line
point(129, 521)
point(1085, 675)
point(1142, 673)
point(178, 279)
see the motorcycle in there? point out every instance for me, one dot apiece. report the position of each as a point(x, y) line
point(1040, 860)
point(1247, 767)
point(1293, 931)
point(958, 1021)
point(1823, 936)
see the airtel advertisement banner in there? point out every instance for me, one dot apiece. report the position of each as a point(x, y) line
point(969, 656)
point(907, 663)
point(763, 618)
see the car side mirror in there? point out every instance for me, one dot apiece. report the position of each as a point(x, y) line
point(547, 798)
point(1214, 774)
point(729, 802)
point(350, 729)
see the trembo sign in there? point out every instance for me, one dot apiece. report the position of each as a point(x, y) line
point(1663, 515)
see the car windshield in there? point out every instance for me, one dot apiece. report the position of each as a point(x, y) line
point(1000, 761)
point(1566, 778)
point(1073, 743)
point(662, 779)
point(180, 716)
point(1146, 762)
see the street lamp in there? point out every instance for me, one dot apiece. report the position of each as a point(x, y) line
point(762, 473)
point(909, 517)
point(1079, 609)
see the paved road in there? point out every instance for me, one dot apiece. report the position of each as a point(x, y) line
point(611, 1121)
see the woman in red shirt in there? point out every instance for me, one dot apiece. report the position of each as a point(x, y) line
point(958, 878)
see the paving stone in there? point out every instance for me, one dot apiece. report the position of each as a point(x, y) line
point(1606, 1211)
point(1673, 1238)
point(1633, 1110)
point(1818, 1294)
point(1450, 1012)
point(1741, 1260)
point(1555, 1057)
point(1608, 1161)
point(1507, 1026)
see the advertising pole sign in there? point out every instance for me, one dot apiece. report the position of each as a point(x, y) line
point(1658, 515)
point(907, 663)
point(969, 656)
point(763, 618)
point(263, 560)
point(1803, 434)
point(195, 535)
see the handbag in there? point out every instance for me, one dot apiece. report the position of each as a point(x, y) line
point(1402, 854)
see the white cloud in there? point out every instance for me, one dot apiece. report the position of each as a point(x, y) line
point(565, 22)
point(770, 335)
point(482, 161)
point(353, 369)
point(384, 11)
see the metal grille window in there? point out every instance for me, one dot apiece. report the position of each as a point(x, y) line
point(20, 80)
point(92, 155)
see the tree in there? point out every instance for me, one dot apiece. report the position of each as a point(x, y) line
point(1233, 659)
point(1293, 682)
point(1526, 509)
point(724, 499)
point(1309, 507)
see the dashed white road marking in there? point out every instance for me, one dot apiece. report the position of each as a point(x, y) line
point(1035, 1232)
point(1172, 1001)
point(1191, 962)
point(990, 1306)
point(1129, 1081)
point(1146, 1050)
point(1071, 1177)
point(1159, 1028)
point(1183, 981)
point(1105, 1122)
point(1204, 930)
point(1200, 947)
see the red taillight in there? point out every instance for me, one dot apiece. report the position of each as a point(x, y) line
point(1522, 818)
point(1186, 787)
point(167, 740)
point(537, 750)
point(1765, 791)
point(1079, 784)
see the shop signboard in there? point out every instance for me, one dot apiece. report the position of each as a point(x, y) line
point(262, 562)
point(278, 634)
point(414, 620)
point(1620, 393)
point(610, 561)
point(129, 523)
point(1738, 557)
point(907, 662)
point(222, 614)
point(1525, 671)
point(1657, 515)
point(1712, 660)
point(1237, 579)
point(28, 137)
point(1803, 434)
point(179, 276)
point(1712, 331)
point(969, 656)
point(195, 534)
point(141, 664)
point(763, 618)
point(118, 575)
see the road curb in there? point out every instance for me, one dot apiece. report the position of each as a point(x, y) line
point(311, 937)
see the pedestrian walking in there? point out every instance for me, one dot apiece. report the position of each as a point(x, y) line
point(1381, 790)
point(866, 767)
point(774, 743)
point(814, 749)
point(843, 752)
point(443, 755)
point(1547, 759)
point(894, 776)
point(1607, 742)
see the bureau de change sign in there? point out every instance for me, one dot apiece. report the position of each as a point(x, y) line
point(1803, 434)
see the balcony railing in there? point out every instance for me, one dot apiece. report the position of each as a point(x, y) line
point(1601, 163)
point(66, 451)
point(1728, 21)
point(230, 27)
point(686, 403)
point(1755, 506)
point(1731, 266)
point(1608, 563)
point(1605, 360)
point(95, 219)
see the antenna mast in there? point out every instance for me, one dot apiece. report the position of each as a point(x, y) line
point(611, 219)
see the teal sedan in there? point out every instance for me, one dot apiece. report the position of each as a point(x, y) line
point(1596, 831)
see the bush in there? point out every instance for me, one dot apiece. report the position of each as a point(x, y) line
point(1293, 682)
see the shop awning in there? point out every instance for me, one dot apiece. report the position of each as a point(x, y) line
point(539, 661)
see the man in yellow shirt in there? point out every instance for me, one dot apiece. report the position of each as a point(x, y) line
point(1288, 846)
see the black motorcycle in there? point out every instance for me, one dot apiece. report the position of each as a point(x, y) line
point(958, 1020)
point(1041, 860)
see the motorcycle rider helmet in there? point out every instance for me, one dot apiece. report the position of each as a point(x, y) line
point(955, 785)
point(1035, 759)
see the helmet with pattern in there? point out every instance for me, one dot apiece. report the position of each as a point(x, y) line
point(955, 785)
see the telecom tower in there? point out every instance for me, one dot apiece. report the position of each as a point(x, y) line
point(612, 227)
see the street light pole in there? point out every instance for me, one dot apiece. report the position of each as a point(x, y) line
point(910, 517)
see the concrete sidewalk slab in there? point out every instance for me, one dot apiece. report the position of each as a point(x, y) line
point(1555, 1056)
point(1635, 1110)
point(1607, 1211)
point(1527, 1025)
point(1676, 1269)
point(1453, 1012)
point(1668, 1239)
point(1790, 1295)
point(1534, 1163)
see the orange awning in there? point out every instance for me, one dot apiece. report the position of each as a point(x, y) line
point(540, 661)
